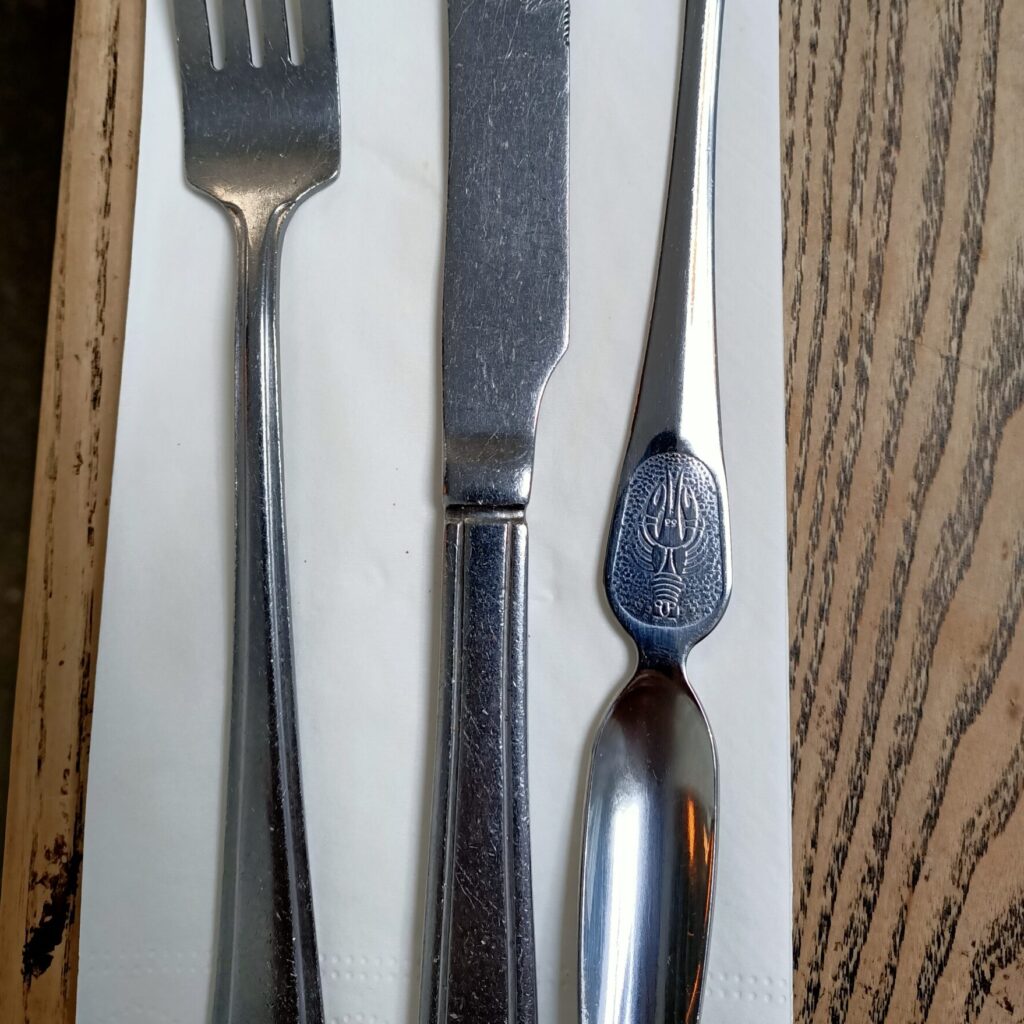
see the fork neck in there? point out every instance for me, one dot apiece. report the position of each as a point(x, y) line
point(259, 228)
point(258, 219)
point(258, 233)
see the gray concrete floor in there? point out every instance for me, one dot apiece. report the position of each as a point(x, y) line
point(35, 44)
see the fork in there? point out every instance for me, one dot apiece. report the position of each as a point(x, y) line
point(259, 140)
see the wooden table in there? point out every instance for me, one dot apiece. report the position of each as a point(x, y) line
point(902, 148)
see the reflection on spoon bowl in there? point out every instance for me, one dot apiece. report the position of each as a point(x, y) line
point(648, 856)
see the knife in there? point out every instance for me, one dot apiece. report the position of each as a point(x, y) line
point(504, 327)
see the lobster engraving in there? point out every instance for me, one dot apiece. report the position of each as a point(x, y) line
point(669, 530)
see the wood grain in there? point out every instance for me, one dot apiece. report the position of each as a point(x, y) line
point(902, 144)
point(904, 300)
point(60, 625)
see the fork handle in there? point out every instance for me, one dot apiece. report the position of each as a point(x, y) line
point(479, 958)
point(267, 971)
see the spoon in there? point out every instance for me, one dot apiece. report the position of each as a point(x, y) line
point(649, 846)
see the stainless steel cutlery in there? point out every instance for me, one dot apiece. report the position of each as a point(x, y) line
point(503, 330)
point(261, 134)
point(650, 840)
point(259, 140)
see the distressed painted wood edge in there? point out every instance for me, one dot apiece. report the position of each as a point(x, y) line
point(67, 543)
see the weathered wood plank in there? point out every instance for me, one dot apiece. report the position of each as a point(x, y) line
point(60, 625)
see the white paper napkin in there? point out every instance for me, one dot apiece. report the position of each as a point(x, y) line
point(360, 364)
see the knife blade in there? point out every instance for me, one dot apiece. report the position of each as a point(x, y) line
point(504, 327)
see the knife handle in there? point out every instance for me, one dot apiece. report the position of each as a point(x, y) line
point(479, 961)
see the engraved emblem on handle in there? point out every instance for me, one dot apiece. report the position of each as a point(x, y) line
point(667, 553)
point(669, 530)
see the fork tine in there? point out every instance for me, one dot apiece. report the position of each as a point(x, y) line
point(192, 26)
point(236, 33)
point(275, 28)
point(317, 31)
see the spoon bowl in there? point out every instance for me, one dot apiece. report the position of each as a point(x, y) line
point(648, 856)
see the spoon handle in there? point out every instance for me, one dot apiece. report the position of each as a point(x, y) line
point(679, 388)
point(668, 565)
